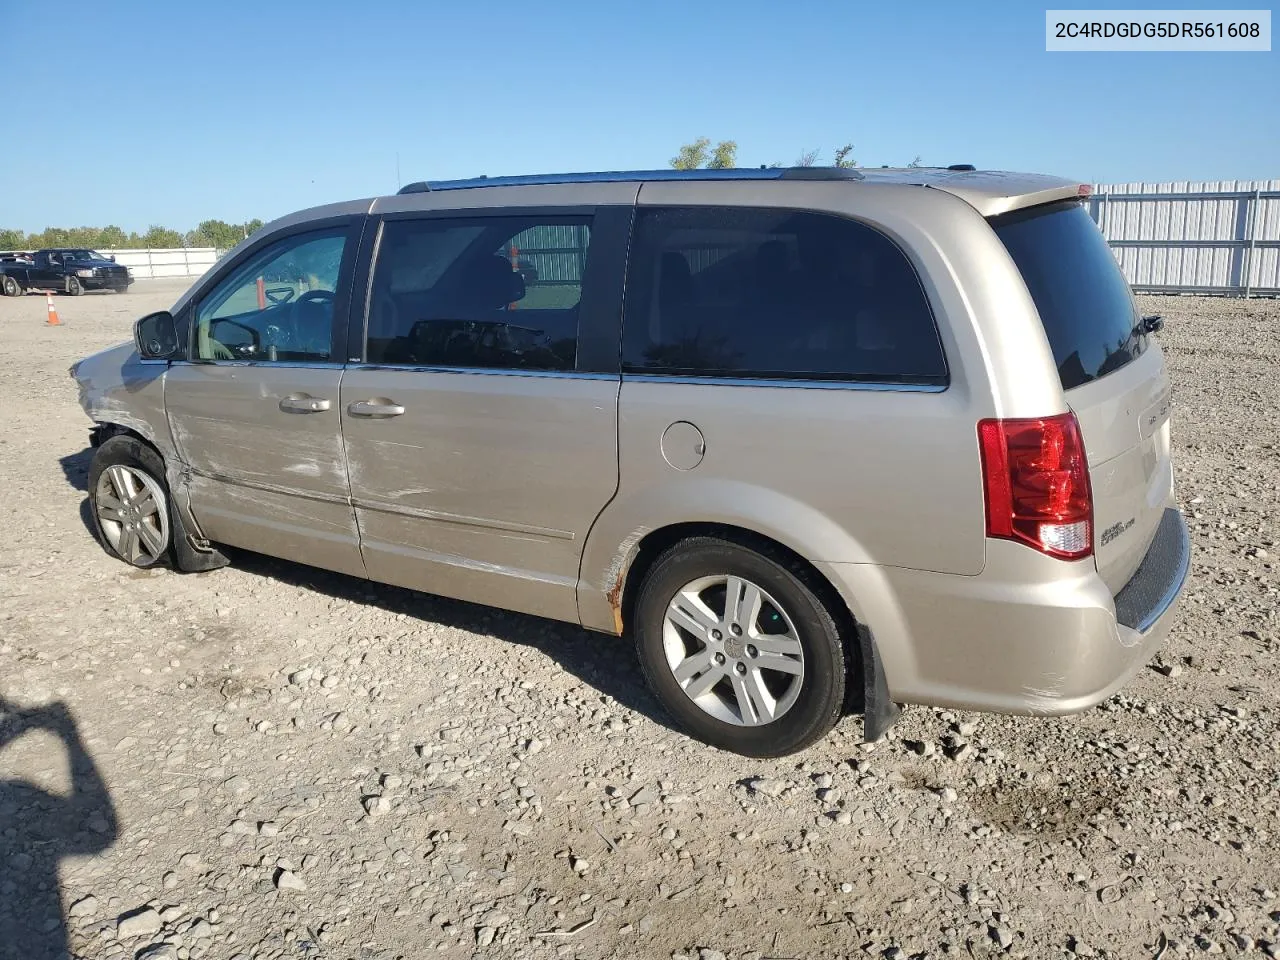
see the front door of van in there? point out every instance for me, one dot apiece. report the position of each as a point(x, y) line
point(481, 431)
point(255, 410)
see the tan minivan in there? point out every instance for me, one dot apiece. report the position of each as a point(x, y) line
point(900, 434)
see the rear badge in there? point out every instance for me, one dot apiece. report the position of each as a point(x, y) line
point(1115, 530)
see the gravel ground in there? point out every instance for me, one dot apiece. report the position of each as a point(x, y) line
point(273, 761)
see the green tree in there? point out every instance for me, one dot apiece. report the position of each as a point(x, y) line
point(692, 155)
point(159, 237)
point(700, 153)
point(111, 237)
point(12, 240)
point(218, 233)
point(724, 156)
point(844, 157)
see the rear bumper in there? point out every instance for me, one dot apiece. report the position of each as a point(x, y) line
point(1028, 635)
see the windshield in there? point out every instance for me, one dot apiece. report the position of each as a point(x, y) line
point(83, 255)
point(1083, 299)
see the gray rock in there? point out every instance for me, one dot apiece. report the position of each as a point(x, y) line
point(485, 935)
point(1002, 935)
point(767, 786)
point(84, 907)
point(706, 953)
point(235, 785)
point(268, 829)
point(159, 951)
point(646, 794)
point(288, 880)
point(202, 929)
point(143, 922)
point(376, 806)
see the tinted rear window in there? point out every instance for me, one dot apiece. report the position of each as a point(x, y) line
point(1084, 301)
point(749, 293)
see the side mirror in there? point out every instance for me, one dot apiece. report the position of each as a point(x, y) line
point(156, 336)
point(111, 257)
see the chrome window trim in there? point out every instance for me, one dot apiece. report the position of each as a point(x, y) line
point(485, 371)
point(798, 383)
point(277, 364)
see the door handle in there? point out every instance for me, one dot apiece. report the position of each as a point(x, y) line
point(302, 403)
point(377, 409)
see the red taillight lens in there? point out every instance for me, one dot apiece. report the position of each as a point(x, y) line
point(1036, 481)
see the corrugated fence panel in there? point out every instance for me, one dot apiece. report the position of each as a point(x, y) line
point(1187, 236)
point(174, 262)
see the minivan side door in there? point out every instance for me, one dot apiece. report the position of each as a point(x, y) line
point(254, 409)
point(481, 426)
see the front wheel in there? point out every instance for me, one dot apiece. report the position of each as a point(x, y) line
point(74, 287)
point(11, 287)
point(130, 502)
point(739, 648)
point(122, 289)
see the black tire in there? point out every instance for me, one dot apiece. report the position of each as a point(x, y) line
point(11, 286)
point(134, 455)
point(818, 705)
point(122, 289)
point(74, 287)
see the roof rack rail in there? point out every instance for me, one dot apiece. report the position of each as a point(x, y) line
point(632, 176)
point(962, 166)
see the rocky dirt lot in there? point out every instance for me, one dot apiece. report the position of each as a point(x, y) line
point(271, 761)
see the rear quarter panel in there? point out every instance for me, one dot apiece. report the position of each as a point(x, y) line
point(847, 476)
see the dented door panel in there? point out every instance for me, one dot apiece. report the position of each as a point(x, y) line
point(264, 475)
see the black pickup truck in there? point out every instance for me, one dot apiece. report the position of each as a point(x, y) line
point(71, 270)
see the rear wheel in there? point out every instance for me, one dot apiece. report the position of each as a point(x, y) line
point(122, 289)
point(11, 287)
point(130, 502)
point(74, 287)
point(739, 649)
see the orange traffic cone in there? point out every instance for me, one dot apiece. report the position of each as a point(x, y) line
point(53, 314)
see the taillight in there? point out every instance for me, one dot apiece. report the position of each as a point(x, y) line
point(1036, 481)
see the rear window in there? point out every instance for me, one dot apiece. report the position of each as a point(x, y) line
point(745, 293)
point(1084, 301)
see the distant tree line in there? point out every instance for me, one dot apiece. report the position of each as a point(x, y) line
point(210, 233)
point(701, 153)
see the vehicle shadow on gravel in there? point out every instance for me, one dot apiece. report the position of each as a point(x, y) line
point(39, 828)
point(606, 663)
point(75, 467)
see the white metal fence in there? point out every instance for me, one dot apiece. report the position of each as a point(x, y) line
point(1208, 237)
point(176, 262)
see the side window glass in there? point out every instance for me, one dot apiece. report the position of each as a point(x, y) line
point(483, 292)
point(755, 293)
point(278, 306)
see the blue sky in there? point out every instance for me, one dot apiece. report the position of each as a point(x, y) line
point(134, 113)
